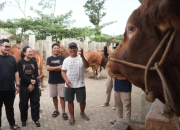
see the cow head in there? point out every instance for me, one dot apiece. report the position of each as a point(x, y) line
point(144, 30)
point(64, 51)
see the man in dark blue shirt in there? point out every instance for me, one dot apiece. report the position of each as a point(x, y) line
point(122, 95)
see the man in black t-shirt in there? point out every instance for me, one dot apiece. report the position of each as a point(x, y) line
point(8, 74)
point(56, 82)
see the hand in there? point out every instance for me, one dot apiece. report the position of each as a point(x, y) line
point(31, 87)
point(123, 78)
point(60, 67)
point(81, 53)
point(68, 83)
point(113, 40)
point(33, 81)
point(106, 44)
point(17, 89)
point(42, 75)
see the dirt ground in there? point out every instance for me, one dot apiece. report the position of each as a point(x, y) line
point(100, 117)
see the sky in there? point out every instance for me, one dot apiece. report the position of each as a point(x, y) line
point(116, 10)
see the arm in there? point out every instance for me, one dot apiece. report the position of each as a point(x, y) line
point(56, 68)
point(36, 71)
point(49, 68)
point(123, 78)
point(63, 73)
point(85, 62)
point(40, 77)
point(17, 81)
point(105, 51)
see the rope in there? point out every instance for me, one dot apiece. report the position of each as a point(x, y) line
point(168, 97)
point(167, 49)
point(167, 94)
point(152, 58)
point(131, 64)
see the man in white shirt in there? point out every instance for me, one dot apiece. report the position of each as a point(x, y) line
point(73, 73)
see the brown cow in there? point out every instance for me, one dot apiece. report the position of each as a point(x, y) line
point(104, 59)
point(15, 51)
point(145, 28)
point(94, 58)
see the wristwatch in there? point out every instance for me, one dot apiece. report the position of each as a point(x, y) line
point(18, 85)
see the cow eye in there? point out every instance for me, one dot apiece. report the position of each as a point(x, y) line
point(131, 29)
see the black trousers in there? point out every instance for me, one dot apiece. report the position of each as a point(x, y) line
point(7, 97)
point(34, 101)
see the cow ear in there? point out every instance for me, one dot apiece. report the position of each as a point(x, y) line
point(168, 14)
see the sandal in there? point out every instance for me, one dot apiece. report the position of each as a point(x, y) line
point(85, 117)
point(55, 114)
point(65, 116)
point(113, 122)
point(37, 124)
point(15, 127)
point(71, 121)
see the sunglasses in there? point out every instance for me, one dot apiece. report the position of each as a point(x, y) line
point(8, 47)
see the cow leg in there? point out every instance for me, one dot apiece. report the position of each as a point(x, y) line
point(42, 80)
point(94, 71)
point(98, 72)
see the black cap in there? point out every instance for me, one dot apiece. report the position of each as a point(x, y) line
point(72, 44)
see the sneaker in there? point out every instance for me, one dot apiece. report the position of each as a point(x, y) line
point(105, 104)
point(37, 124)
point(23, 123)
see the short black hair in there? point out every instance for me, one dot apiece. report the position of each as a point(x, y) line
point(3, 40)
point(24, 50)
point(55, 44)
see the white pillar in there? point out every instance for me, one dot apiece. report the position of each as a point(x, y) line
point(48, 46)
point(41, 47)
point(102, 45)
point(85, 46)
point(37, 46)
point(48, 49)
point(32, 41)
point(77, 45)
point(94, 46)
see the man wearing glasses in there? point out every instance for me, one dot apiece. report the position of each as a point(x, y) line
point(8, 77)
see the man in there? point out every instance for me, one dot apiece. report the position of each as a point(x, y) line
point(110, 80)
point(56, 82)
point(73, 74)
point(122, 95)
point(8, 75)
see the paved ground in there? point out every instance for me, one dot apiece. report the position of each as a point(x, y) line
point(100, 117)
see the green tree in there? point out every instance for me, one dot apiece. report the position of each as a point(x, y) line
point(18, 27)
point(94, 10)
point(2, 6)
point(48, 4)
point(105, 37)
point(54, 26)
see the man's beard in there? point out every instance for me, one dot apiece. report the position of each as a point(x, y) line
point(4, 53)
